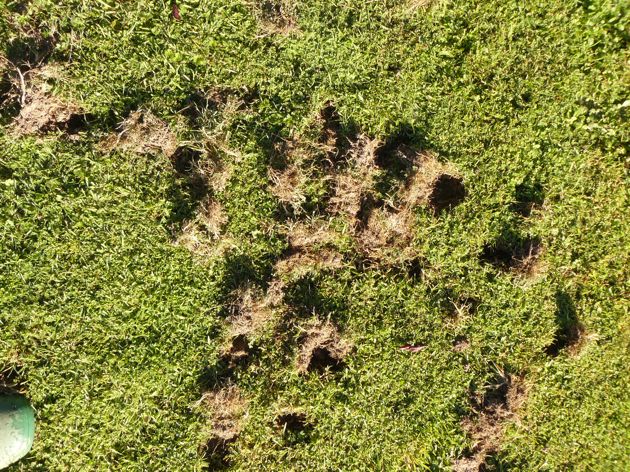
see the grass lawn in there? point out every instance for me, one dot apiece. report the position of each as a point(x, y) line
point(314, 235)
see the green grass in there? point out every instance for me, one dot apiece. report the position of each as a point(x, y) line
point(115, 331)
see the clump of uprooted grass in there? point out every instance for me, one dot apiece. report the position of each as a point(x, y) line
point(40, 111)
point(226, 410)
point(312, 246)
point(143, 133)
point(275, 16)
point(322, 349)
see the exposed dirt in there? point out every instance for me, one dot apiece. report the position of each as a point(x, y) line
point(43, 113)
point(237, 351)
point(186, 159)
point(12, 376)
point(571, 334)
point(227, 410)
point(499, 404)
point(322, 349)
point(143, 133)
point(446, 192)
point(434, 184)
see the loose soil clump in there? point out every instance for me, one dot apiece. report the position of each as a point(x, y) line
point(322, 349)
point(499, 404)
point(143, 133)
point(227, 410)
point(44, 113)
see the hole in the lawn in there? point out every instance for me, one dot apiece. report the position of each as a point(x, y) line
point(512, 251)
point(415, 267)
point(570, 330)
point(396, 156)
point(322, 359)
point(460, 343)
point(238, 352)
point(496, 394)
point(186, 159)
point(323, 350)
point(447, 191)
point(527, 196)
point(217, 452)
point(330, 135)
point(293, 421)
point(76, 122)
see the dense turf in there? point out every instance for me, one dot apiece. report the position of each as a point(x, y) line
point(115, 331)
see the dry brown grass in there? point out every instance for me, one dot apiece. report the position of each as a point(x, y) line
point(212, 218)
point(486, 429)
point(143, 133)
point(322, 349)
point(275, 16)
point(311, 247)
point(286, 185)
point(251, 309)
point(227, 411)
point(40, 110)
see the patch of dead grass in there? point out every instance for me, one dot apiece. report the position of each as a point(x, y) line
point(276, 16)
point(433, 184)
point(212, 218)
point(286, 185)
point(311, 247)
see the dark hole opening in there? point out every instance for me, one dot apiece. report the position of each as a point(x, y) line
point(446, 192)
